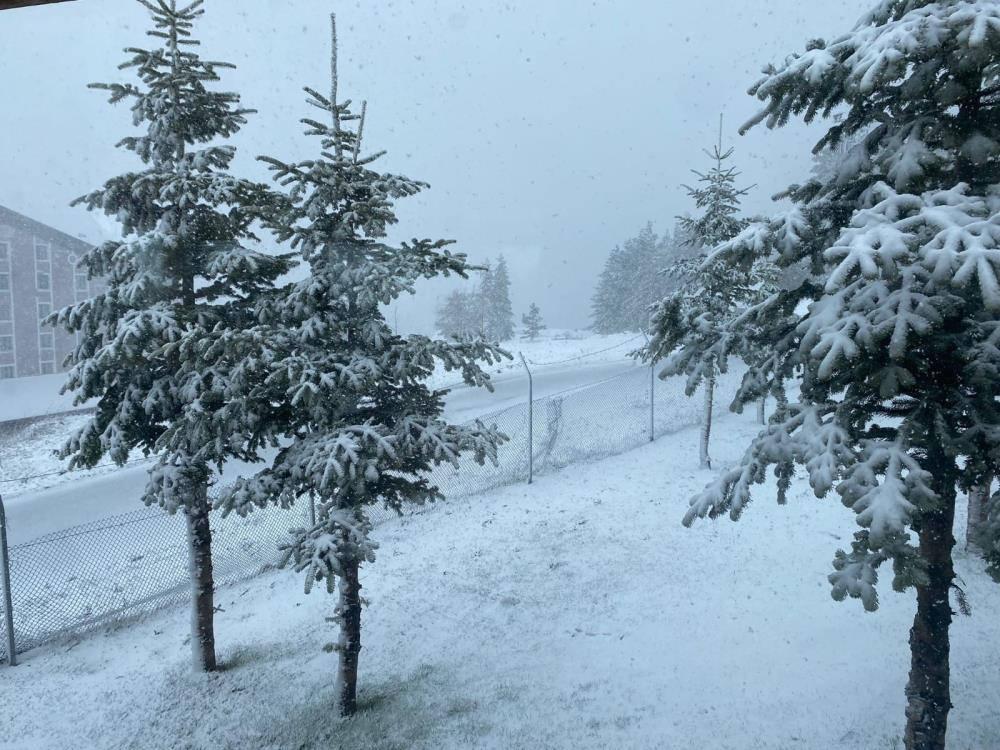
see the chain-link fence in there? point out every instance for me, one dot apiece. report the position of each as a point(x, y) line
point(117, 568)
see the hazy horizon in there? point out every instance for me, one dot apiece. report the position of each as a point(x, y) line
point(549, 132)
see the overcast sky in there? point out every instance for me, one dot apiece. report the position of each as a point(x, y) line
point(549, 130)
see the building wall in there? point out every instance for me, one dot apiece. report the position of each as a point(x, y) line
point(7, 349)
point(38, 274)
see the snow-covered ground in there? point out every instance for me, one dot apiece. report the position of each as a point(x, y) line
point(565, 347)
point(21, 398)
point(572, 613)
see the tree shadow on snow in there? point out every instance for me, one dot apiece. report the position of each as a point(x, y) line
point(392, 715)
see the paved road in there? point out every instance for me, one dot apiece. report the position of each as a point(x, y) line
point(80, 501)
point(466, 403)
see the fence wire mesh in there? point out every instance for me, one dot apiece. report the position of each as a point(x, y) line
point(117, 568)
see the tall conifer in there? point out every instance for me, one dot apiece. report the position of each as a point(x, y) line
point(359, 425)
point(885, 320)
point(157, 349)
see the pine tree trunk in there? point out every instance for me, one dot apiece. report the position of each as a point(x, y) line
point(706, 423)
point(202, 580)
point(978, 500)
point(928, 691)
point(349, 611)
point(761, 405)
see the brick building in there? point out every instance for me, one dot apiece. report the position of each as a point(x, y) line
point(38, 274)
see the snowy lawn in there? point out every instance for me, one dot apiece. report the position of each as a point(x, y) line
point(572, 613)
point(34, 396)
point(28, 462)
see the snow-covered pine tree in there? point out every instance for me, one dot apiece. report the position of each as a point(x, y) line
point(644, 283)
point(360, 424)
point(606, 305)
point(755, 349)
point(676, 267)
point(630, 283)
point(718, 198)
point(689, 326)
point(458, 316)
point(499, 312)
point(532, 320)
point(826, 161)
point(481, 300)
point(181, 273)
point(886, 317)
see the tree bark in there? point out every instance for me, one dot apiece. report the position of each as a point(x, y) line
point(978, 502)
point(928, 691)
point(202, 580)
point(706, 423)
point(349, 611)
point(761, 415)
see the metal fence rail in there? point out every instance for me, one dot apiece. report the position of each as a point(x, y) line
point(117, 568)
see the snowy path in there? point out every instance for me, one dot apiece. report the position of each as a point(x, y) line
point(574, 613)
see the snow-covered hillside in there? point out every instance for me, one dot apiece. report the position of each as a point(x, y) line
point(573, 613)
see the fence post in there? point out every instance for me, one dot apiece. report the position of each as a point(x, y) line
point(8, 599)
point(531, 418)
point(652, 402)
point(652, 390)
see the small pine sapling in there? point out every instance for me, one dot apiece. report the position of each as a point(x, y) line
point(688, 326)
point(532, 320)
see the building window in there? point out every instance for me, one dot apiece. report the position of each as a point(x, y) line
point(6, 293)
point(6, 344)
point(43, 286)
point(6, 371)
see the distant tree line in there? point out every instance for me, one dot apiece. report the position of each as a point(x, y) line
point(484, 311)
point(635, 277)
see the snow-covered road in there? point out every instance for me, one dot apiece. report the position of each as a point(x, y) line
point(466, 403)
point(76, 500)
